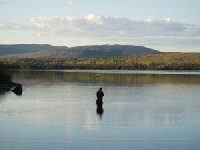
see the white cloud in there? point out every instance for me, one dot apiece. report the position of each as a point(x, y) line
point(96, 25)
point(38, 35)
point(113, 29)
point(9, 25)
point(70, 2)
point(95, 19)
point(168, 20)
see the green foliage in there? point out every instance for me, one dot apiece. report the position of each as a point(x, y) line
point(164, 61)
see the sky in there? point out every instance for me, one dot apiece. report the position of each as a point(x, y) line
point(165, 25)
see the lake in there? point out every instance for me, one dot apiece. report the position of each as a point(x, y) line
point(142, 110)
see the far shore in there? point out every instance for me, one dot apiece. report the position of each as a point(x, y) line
point(163, 61)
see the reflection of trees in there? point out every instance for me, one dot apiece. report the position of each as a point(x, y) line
point(56, 76)
point(3, 93)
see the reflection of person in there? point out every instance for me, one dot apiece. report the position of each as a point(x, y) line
point(100, 111)
point(99, 95)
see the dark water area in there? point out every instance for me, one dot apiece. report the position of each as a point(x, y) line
point(141, 110)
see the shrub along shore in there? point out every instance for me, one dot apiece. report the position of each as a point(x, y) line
point(6, 82)
point(163, 61)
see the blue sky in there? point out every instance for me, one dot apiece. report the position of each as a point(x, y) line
point(166, 25)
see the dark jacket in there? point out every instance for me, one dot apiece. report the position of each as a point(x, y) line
point(100, 94)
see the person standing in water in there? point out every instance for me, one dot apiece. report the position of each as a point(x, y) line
point(100, 96)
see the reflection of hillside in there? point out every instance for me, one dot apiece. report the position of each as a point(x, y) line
point(35, 77)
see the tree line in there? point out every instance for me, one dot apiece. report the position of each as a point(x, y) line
point(165, 61)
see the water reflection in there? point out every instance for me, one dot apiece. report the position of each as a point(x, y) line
point(3, 93)
point(58, 110)
point(36, 77)
point(100, 111)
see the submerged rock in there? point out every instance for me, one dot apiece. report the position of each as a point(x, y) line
point(18, 89)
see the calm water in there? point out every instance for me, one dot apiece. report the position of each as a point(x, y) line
point(141, 111)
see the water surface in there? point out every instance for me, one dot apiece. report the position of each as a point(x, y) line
point(142, 110)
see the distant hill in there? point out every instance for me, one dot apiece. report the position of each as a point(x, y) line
point(25, 48)
point(48, 51)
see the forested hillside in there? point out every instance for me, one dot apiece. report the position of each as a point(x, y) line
point(25, 48)
point(48, 51)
